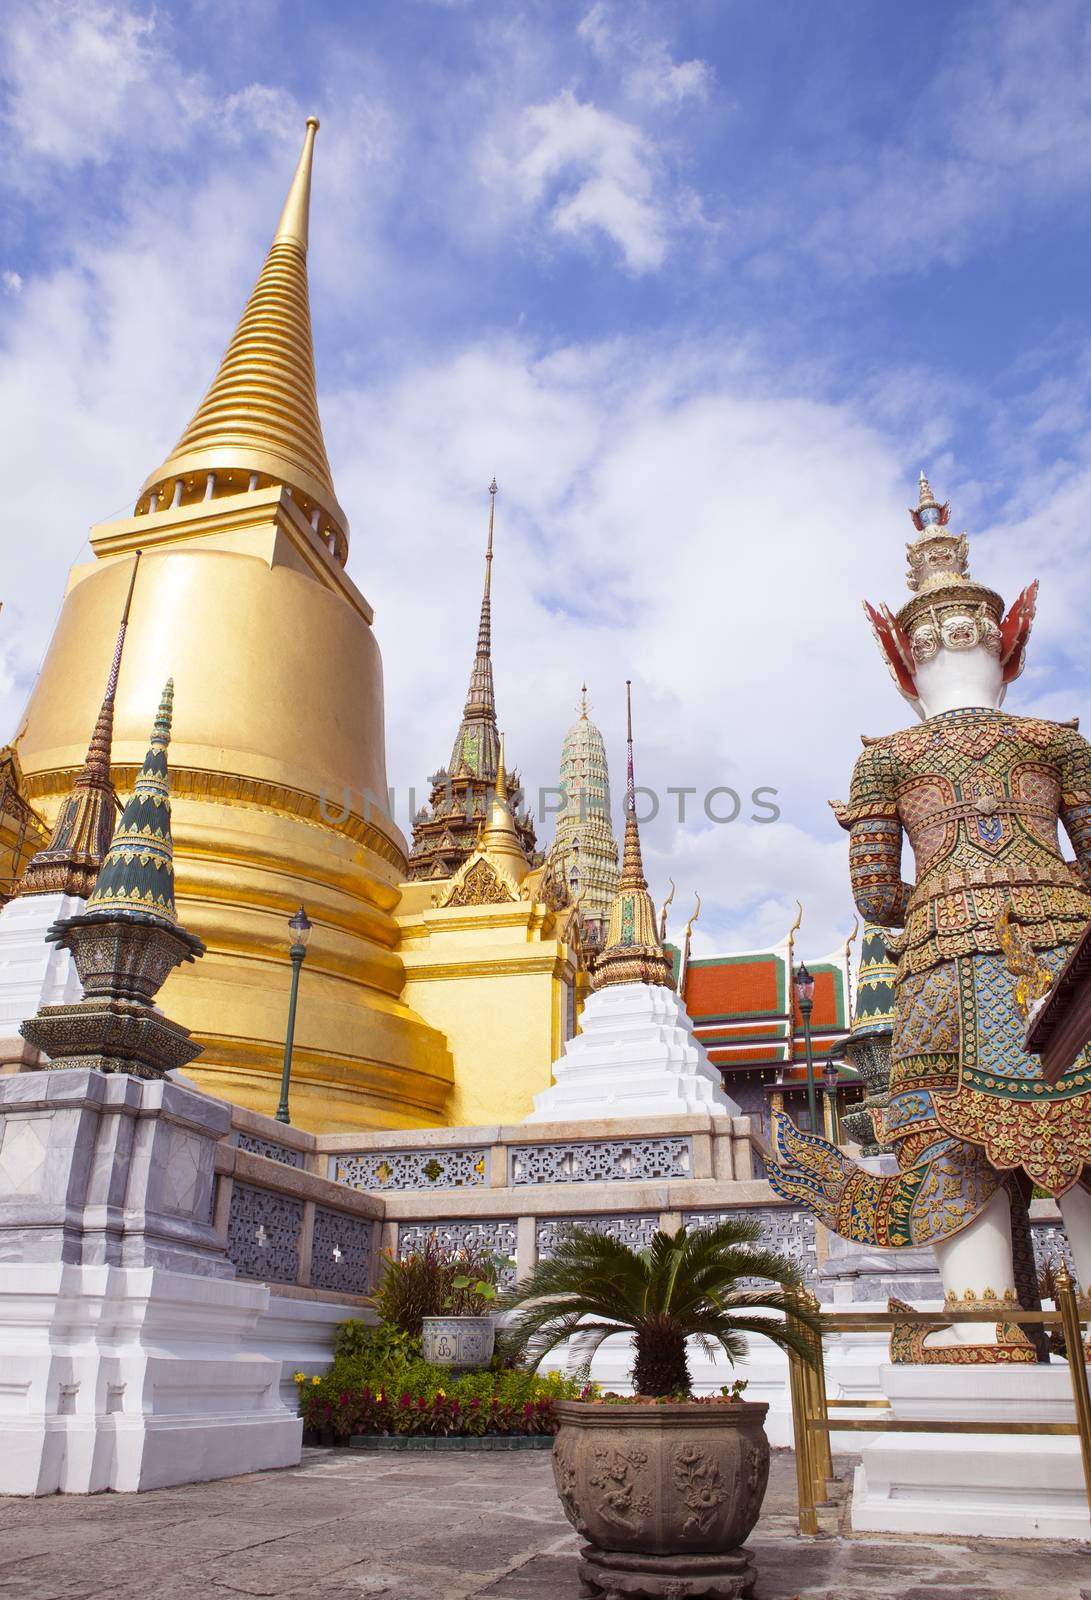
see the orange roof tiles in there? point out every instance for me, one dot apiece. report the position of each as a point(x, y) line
point(722, 988)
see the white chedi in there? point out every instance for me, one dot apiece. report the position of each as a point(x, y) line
point(636, 1056)
point(33, 972)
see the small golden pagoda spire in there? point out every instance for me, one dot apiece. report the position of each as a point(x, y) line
point(499, 839)
point(81, 835)
point(632, 952)
point(259, 423)
point(476, 741)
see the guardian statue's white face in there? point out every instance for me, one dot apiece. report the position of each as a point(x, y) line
point(953, 678)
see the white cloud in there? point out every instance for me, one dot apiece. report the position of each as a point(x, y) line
point(77, 74)
point(671, 514)
point(650, 73)
point(12, 281)
point(592, 172)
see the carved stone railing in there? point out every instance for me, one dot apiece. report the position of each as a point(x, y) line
point(523, 1155)
point(289, 1226)
point(511, 1191)
point(327, 1206)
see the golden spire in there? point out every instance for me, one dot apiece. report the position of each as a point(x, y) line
point(633, 951)
point(499, 839)
point(84, 828)
point(583, 706)
point(259, 422)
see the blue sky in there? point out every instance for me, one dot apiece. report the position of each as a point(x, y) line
point(704, 284)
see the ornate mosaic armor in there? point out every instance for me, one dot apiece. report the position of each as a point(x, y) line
point(979, 794)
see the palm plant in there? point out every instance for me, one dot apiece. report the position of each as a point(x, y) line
point(683, 1285)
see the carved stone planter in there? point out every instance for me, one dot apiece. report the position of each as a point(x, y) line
point(664, 1495)
point(460, 1343)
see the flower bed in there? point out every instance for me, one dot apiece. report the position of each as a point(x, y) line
point(437, 1415)
point(379, 1385)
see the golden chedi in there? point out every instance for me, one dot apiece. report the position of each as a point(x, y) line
point(279, 770)
point(492, 957)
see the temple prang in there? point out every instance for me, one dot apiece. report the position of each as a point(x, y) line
point(445, 831)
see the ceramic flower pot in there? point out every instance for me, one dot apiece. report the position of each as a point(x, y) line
point(460, 1343)
point(665, 1495)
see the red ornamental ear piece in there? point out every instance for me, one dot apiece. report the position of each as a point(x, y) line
point(893, 641)
point(1015, 631)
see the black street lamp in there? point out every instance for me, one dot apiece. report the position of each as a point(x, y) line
point(831, 1079)
point(300, 928)
point(804, 986)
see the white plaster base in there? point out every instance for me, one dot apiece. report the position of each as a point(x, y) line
point(133, 1378)
point(33, 973)
point(998, 1485)
point(635, 1056)
point(298, 1334)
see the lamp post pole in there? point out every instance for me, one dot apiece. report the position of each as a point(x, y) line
point(805, 994)
point(831, 1080)
point(300, 928)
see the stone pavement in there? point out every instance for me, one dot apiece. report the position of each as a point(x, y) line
point(344, 1526)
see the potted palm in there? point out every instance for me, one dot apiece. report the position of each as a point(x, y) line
point(664, 1487)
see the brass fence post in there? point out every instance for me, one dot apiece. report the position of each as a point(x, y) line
point(801, 1430)
point(823, 1452)
point(1077, 1365)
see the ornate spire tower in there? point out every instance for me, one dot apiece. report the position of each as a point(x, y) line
point(81, 836)
point(279, 772)
point(445, 831)
point(632, 952)
point(583, 855)
point(126, 941)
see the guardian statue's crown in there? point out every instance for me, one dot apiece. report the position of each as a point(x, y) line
point(948, 610)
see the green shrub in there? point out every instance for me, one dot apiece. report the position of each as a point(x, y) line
point(380, 1343)
point(433, 1282)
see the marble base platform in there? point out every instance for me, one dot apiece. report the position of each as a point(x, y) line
point(134, 1378)
point(635, 1056)
point(1000, 1486)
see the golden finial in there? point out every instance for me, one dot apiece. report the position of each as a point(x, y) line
point(663, 911)
point(501, 787)
point(583, 707)
point(488, 546)
point(294, 218)
point(683, 969)
point(927, 498)
point(259, 421)
point(792, 931)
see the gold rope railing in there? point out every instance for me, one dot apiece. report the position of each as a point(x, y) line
point(811, 1423)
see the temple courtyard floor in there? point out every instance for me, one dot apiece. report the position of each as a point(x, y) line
point(450, 1527)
